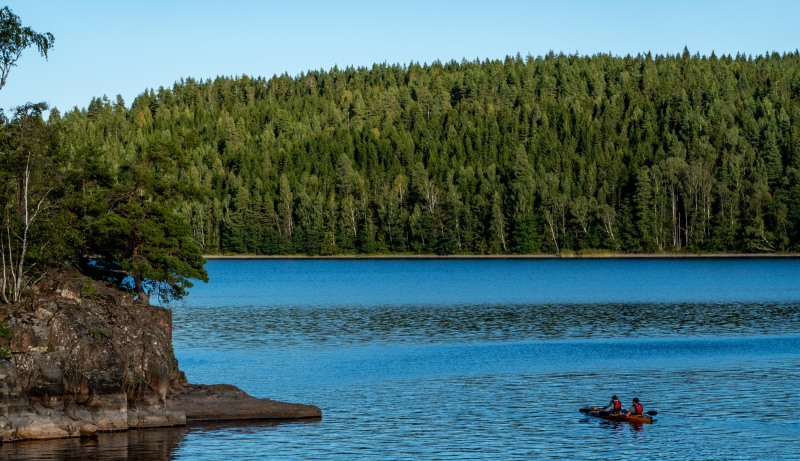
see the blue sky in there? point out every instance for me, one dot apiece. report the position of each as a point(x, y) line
point(109, 47)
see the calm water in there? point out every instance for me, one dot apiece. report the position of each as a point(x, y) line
point(487, 359)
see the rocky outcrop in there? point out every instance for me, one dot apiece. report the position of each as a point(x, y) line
point(223, 402)
point(85, 358)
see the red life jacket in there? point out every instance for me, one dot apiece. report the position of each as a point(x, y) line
point(638, 408)
point(617, 405)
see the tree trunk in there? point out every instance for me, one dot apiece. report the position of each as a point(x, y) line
point(141, 294)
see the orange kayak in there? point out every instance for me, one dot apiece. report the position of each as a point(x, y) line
point(633, 419)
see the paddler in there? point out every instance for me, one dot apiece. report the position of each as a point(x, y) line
point(636, 409)
point(615, 406)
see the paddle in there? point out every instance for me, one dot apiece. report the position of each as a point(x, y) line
point(651, 413)
point(586, 410)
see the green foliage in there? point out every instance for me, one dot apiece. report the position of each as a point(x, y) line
point(88, 291)
point(99, 333)
point(138, 232)
point(5, 333)
point(545, 154)
point(14, 39)
point(555, 154)
point(37, 232)
point(68, 197)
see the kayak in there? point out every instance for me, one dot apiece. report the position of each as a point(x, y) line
point(620, 417)
point(633, 419)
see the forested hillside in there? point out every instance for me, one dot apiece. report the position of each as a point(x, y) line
point(525, 155)
point(62, 204)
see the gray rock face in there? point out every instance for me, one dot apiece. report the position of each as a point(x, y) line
point(85, 359)
point(223, 402)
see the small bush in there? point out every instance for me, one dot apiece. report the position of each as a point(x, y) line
point(99, 333)
point(88, 290)
point(5, 333)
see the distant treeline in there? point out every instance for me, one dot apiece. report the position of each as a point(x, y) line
point(523, 155)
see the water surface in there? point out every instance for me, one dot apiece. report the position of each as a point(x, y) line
point(488, 359)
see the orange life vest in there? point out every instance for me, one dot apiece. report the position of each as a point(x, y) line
point(638, 408)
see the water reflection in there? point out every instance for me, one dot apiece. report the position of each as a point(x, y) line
point(160, 444)
point(152, 444)
point(622, 426)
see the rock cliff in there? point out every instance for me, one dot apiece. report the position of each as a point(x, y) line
point(82, 357)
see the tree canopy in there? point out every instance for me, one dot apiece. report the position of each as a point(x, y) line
point(547, 154)
point(525, 155)
point(14, 39)
point(64, 203)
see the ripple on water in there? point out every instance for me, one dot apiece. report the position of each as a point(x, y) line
point(520, 401)
point(487, 360)
point(299, 326)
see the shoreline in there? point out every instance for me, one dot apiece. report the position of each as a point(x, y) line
point(520, 256)
point(79, 363)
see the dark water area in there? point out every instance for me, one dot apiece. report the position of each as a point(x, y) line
point(486, 359)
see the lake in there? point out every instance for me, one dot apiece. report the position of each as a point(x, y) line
point(486, 359)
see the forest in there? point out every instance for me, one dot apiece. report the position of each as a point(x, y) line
point(555, 154)
point(63, 208)
point(550, 154)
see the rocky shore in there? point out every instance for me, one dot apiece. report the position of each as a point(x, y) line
point(82, 358)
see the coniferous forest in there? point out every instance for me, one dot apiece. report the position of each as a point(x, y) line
point(526, 155)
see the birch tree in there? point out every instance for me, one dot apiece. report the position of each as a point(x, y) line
point(14, 39)
point(27, 202)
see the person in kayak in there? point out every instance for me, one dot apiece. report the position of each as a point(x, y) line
point(615, 406)
point(635, 409)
